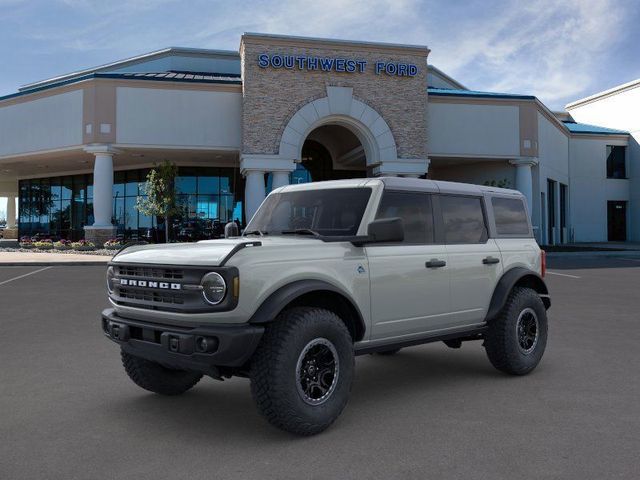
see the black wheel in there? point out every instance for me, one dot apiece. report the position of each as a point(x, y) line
point(516, 340)
point(392, 351)
point(302, 371)
point(156, 378)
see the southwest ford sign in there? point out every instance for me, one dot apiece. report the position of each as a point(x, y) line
point(331, 64)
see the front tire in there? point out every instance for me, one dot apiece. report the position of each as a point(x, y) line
point(517, 338)
point(156, 378)
point(302, 371)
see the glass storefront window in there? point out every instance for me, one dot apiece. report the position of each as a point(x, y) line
point(60, 207)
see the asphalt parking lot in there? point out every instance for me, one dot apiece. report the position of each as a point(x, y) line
point(68, 411)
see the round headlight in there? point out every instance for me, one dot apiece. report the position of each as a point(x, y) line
point(110, 274)
point(214, 288)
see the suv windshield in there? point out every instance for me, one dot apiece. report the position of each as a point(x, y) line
point(326, 212)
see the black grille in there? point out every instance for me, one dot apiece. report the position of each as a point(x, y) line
point(151, 272)
point(157, 297)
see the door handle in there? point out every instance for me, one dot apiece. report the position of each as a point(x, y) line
point(490, 260)
point(435, 263)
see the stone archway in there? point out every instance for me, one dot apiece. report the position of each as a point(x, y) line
point(340, 108)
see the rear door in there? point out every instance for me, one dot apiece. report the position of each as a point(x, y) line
point(475, 263)
point(409, 279)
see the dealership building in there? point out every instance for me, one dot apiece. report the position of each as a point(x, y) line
point(75, 149)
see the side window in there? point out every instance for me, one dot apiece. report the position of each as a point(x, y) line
point(510, 215)
point(463, 219)
point(415, 211)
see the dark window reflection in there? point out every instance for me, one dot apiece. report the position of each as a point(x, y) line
point(463, 219)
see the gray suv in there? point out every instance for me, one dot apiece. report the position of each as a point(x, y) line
point(325, 272)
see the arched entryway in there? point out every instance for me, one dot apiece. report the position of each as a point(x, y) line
point(331, 152)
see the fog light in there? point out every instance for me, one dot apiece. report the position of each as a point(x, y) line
point(206, 344)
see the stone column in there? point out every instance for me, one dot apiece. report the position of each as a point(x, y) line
point(280, 179)
point(254, 192)
point(524, 178)
point(102, 228)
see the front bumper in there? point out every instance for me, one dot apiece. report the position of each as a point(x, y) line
point(201, 348)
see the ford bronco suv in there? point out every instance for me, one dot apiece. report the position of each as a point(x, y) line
point(322, 273)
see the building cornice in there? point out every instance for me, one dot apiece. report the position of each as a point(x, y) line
point(313, 42)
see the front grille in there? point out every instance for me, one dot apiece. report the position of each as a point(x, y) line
point(151, 272)
point(155, 287)
point(152, 296)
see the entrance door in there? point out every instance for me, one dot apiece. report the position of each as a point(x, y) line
point(617, 221)
point(410, 291)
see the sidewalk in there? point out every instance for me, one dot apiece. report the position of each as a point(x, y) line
point(37, 259)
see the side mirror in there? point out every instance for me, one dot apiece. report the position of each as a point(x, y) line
point(386, 230)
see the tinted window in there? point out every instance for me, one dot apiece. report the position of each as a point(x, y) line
point(463, 219)
point(330, 212)
point(415, 211)
point(616, 167)
point(510, 215)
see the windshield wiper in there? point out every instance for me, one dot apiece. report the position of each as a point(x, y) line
point(255, 232)
point(301, 231)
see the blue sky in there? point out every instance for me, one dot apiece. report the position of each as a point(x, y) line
point(556, 50)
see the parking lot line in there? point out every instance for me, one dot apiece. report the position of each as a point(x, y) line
point(25, 275)
point(562, 274)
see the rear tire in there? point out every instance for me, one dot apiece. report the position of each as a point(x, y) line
point(302, 371)
point(156, 378)
point(516, 339)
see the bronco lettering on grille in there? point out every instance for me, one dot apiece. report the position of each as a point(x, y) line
point(147, 284)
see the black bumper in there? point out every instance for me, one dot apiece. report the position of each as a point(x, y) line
point(200, 348)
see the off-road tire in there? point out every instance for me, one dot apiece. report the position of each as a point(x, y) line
point(156, 378)
point(502, 341)
point(392, 351)
point(274, 370)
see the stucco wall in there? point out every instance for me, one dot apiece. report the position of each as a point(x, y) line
point(469, 129)
point(620, 111)
point(477, 172)
point(272, 96)
point(590, 189)
point(42, 124)
point(154, 116)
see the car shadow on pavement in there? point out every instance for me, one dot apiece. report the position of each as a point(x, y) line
point(226, 410)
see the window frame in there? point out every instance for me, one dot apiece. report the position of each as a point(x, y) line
point(432, 197)
point(492, 219)
point(485, 218)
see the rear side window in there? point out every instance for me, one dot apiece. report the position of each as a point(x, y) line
point(415, 211)
point(510, 215)
point(463, 219)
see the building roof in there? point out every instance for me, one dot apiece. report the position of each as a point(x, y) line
point(170, 76)
point(575, 127)
point(450, 92)
point(145, 57)
point(604, 93)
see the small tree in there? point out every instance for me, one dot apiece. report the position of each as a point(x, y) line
point(504, 183)
point(160, 191)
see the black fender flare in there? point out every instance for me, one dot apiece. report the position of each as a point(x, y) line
point(273, 305)
point(512, 277)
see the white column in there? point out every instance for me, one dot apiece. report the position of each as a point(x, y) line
point(103, 190)
point(280, 179)
point(11, 211)
point(254, 191)
point(524, 178)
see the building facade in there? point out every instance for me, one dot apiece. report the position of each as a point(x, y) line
point(75, 149)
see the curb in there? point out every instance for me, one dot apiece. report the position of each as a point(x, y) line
point(54, 264)
point(598, 253)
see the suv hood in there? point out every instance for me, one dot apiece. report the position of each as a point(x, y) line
point(204, 253)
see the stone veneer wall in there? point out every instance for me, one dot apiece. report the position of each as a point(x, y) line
point(271, 96)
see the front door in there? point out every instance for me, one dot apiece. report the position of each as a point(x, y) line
point(617, 221)
point(410, 288)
